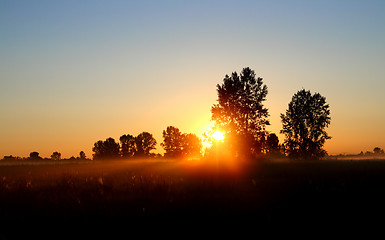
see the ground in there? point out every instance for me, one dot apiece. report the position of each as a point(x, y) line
point(265, 191)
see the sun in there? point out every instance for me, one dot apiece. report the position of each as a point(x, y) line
point(218, 135)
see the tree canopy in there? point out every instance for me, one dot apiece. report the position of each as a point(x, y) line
point(106, 149)
point(172, 142)
point(272, 144)
point(128, 146)
point(56, 156)
point(145, 142)
point(240, 111)
point(192, 145)
point(177, 144)
point(304, 125)
point(139, 146)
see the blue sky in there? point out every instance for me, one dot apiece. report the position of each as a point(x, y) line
point(74, 72)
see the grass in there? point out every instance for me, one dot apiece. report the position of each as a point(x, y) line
point(264, 191)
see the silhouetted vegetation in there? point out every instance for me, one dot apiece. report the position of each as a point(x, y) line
point(192, 145)
point(180, 145)
point(241, 115)
point(56, 156)
point(272, 145)
point(145, 142)
point(378, 150)
point(127, 146)
point(172, 142)
point(264, 192)
point(139, 146)
point(106, 149)
point(240, 111)
point(35, 156)
point(377, 153)
point(82, 155)
point(304, 125)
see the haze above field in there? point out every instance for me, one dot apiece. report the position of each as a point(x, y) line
point(74, 72)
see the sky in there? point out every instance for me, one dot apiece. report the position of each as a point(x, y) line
point(75, 72)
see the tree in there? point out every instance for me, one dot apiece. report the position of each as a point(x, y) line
point(272, 144)
point(378, 150)
point(82, 155)
point(34, 156)
point(107, 149)
point(145, 142)
point(240, 111)
point(304, 125)
point(56, 156)
point(192, 145)
point(128, 146)
point(172, 142)
point(178, 145)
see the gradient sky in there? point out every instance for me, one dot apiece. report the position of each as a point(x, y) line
point(74, 72)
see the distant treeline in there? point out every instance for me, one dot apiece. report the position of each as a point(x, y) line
point(376, 153)
point(35, 156)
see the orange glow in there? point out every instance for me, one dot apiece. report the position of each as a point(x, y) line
point(218, 135)
point(210, 135)
point(206, 144)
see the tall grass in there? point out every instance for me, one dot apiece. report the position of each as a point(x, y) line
point(267, 191)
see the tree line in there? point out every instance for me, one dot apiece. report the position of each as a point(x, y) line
point(35, 156)
point(175, 144)
point(129, 146)
point(241, 115)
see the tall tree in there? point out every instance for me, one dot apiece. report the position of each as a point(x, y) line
point(107, 149)
point(145, 142)
point(127, 146)
point(172, 142)
point(240, 110)
point(304, 125)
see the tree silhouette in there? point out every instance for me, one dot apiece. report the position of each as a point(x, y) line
point(56, 156)
point(378, 150)
point(272, 144)
point(145, 142)
point(192, 145)
point(107, 149)
point(172, 142)
point(177, 145)
point(128, 146)
point(82, 155)
point(34, 156)
point(304, 125)
point(240, 111)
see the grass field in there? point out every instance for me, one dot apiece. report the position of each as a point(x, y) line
point(265, 191)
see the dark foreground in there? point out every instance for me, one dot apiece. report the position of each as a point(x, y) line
point(331, 192)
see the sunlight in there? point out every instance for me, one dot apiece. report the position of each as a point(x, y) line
point(209, 135)
point(218, 135)
point(206, 144)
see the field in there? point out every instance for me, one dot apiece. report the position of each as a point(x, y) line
point(264, 191)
